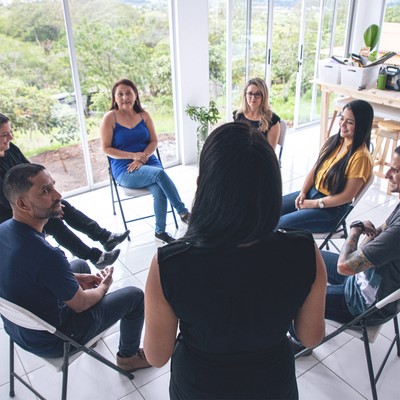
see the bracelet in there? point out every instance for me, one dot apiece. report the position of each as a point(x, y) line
point(358, 224)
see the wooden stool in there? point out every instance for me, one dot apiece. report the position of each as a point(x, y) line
point(389, 132)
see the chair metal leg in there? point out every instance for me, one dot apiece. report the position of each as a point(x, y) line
point(64, 371)
point(93, 353)
point(14, 376)
point(396, 329)
point(121, 209)
point(369, 360)
point(173, 214)
point(112, 191)
point(12, 392)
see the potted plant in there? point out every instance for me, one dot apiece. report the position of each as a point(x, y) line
point(371, 37)
point(205, 117)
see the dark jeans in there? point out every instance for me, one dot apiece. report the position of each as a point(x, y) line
point(78, 220)
point(315, 220)
point(335, 306)
point(126, 305)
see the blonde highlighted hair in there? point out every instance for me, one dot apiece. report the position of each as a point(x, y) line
point(266, 111)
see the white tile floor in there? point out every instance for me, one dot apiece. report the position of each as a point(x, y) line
point(336, 370)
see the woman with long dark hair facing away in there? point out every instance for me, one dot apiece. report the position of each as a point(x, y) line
point(233, 283)
point(344, 165)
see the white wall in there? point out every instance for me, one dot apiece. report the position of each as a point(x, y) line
point(367, 12)
point(190, 69)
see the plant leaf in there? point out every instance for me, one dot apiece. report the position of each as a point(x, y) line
point(371, 36)
point(372, 56)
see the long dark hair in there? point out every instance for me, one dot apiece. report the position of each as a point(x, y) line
point(136, 105)
point(335, 179)
point(239, 193)
point(3, 119)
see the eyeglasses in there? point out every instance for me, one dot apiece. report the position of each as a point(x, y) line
point(256, 95)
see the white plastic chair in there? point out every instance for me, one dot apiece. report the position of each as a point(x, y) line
point(26, 319)
point(367, 329)
point(281, 140)
point(340, 229)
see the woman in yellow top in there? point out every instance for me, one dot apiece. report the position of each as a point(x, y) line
point(343, 167)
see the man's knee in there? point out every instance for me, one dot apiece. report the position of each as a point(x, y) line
point(80, 266)
point(132, 295)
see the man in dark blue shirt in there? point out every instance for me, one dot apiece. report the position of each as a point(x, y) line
point(38, 277)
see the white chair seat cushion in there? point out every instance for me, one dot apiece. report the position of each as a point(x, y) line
point(372, 331)
point(135, 192)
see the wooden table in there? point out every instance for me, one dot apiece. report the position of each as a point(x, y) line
point(387, 102)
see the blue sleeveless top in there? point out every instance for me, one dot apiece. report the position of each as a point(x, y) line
point(133, 139)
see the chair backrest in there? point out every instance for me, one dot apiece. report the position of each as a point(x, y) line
point(282, 134)
point(22, 317)
point(340, 227)
point(363, 189)
point(281, 139)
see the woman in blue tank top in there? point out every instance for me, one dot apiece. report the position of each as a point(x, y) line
point(129, 139)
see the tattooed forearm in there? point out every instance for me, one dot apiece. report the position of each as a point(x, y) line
point(350, 246)
point(358, 262)
point(352, 260)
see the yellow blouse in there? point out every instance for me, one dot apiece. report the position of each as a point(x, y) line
point(359, 166)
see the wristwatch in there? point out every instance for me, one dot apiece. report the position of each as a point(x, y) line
point(321, 203)
point(358, 224)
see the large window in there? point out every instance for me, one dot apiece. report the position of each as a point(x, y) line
point(36, 88)
point(111, 39)
point(302, 32)
point(124, 39)
point(390, 33)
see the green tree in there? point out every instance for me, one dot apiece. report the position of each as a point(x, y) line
point(36, 110)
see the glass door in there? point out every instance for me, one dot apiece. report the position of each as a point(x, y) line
point(36, 90)
point(281, 41)
point(120, 39)
point(323, 32)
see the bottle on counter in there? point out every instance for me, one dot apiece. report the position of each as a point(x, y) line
point(381, 82)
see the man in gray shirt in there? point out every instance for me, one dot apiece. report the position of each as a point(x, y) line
point(363, 274)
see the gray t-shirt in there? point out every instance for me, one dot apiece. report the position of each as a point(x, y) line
point(374, 284)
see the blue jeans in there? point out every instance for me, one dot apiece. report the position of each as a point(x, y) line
point(315, 220)
point(126, 305)
point(335, 303)
point(161, 187)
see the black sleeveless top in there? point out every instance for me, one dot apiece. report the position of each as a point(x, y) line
point(234, 308)
point(256, 124)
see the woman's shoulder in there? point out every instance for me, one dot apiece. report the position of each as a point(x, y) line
point(237, 115)
point(109, 117)
point(109, 114)
point(145, 115)
point(172, 249)
point(291, 234)
point(275, 118)
point(362, 153)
